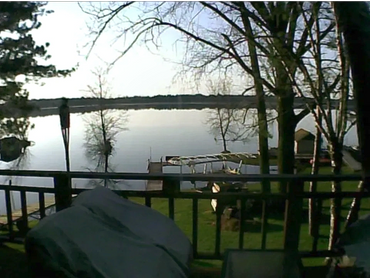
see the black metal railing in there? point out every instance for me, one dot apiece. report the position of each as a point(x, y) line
point(171, 191)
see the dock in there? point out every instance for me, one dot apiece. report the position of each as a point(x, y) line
point(154, 185)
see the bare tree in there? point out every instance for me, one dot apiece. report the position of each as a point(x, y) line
point(236, 37)
point(353, 20)
point(102, 127)
point(227, 124)
point(327, 80)
point(313, 223)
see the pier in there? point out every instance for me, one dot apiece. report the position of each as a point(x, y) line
point(154, 185)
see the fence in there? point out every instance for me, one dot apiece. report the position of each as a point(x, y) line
point(171, 191)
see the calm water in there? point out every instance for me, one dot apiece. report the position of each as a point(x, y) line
point(149, 133)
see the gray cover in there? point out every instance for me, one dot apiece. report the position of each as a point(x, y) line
point(104, 235)
point(356, 242)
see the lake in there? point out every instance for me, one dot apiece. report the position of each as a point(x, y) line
point(149, 133)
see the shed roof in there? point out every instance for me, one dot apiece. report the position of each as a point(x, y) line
point(301, 134)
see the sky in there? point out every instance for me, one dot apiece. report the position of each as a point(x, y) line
point(139, 72)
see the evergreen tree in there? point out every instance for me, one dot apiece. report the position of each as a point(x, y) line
point(20, 55)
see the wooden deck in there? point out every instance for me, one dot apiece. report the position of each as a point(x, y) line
point(153, 185)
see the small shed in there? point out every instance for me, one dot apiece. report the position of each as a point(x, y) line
point(304, 142)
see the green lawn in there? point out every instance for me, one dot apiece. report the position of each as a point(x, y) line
point(252, 237)
point(12, 259)
point(255, 161)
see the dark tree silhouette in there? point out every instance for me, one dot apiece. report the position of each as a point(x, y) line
point(20, 55)
point(354, 22)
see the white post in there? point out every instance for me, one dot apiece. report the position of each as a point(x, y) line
point(180, 172)
point(240, 166)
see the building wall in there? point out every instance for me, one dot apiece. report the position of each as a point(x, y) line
point(305, 147)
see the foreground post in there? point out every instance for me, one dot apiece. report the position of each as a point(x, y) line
point(170, 188)
point(293, 216)
point(64, 125)
point(63, 192)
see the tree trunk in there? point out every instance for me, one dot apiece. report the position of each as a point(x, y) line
point(354, 22)
point(261, 108)
point(336, 204)
point(224, 143)
point(263, 142)
point(104, 145)
point(106, 169)
point(223, 132)
point(287, 120)
point(313, 225)
point(286, 128)
point(355, 206)
point(312, 203)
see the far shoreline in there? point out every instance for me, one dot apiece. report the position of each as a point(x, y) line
point(47, 107)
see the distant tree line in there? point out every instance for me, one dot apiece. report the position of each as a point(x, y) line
point(197, 101)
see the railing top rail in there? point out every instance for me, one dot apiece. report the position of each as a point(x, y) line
point(183, 177)
point(240, 195)
point(203, 195)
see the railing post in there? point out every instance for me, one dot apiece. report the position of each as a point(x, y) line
point(42, 205)
point(195, 228)
point(148, 201)
point(63, 192)
point(219, 211)
point(23, 223)
point(170, 188)
point(9, 213)
point(293, 216)
point(317, 224)
point(241, 222)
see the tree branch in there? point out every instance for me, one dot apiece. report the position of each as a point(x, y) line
point(106, 22)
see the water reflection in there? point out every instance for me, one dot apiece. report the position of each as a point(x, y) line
point(11, 148)
point(229, 125)
point(100, 138)
point(14, 142)
point(101, 130)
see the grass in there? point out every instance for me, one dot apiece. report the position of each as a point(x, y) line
point(256, 161)
point(12, 258)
